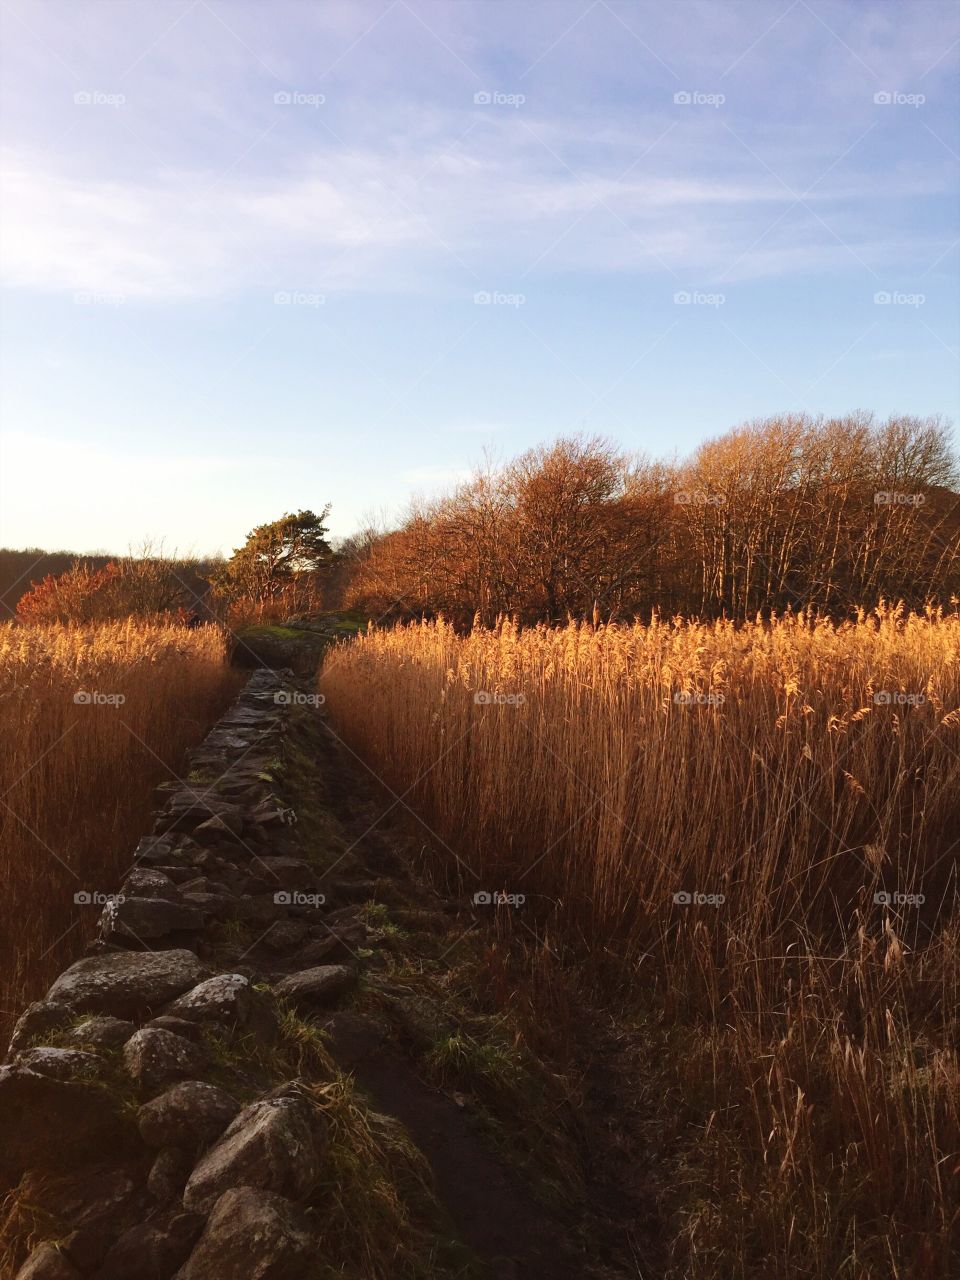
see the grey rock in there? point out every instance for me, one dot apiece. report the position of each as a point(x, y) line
point(60, 1064)
point(141, 918)
point(190, 1114)
point(49, 1123)
point(269, 1145)
point(98, 1202)
point(223, 827)
point(48, 1263)
point(102, 1031)
point(187, 810)
point(179, 1026)
point(333, 945)
point(285, 935)
point(153, 850)
point(168, 1174)
point(126, 982)
point(152, 1250)
point(149, 882)
point(230, 1000)
point(319, 986)
point(251, 1235)
point(219, 905)
point(37, 1021)
point(260, 908)
point(154, 1057)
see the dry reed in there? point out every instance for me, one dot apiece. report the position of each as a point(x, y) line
point(763, 817)
point(78, 769)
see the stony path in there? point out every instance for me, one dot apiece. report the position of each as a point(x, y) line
point(161, 1093)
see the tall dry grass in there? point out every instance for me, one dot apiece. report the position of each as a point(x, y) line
point(78, 768)
point(803, 779)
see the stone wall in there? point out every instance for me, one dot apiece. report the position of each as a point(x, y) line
point(148, 1115)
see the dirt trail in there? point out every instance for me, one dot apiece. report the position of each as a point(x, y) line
point(486, 1198)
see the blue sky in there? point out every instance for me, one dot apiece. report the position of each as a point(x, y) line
point(243, 244)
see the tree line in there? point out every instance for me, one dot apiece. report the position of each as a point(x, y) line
point(784, 512)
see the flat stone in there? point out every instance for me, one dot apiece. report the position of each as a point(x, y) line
point(252, 1235)
point(270, 1145)
point(141, 918)
point(149, 882)
point(319, 986)
point(154, 1057)
point(222, 827)
point(102, 1031)
point(189, 1114)
point(60, 1064)
point(153, 849)
point(220, 906)
point(186, 811)
point(126, 982)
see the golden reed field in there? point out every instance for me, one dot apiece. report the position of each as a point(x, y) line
point(752, 830)
point(92, 718)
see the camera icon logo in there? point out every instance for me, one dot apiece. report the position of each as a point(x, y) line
point(882, 899)
point(482, 698)
point(82, 698)
point(283, 98)
point(483, 98)
point(683, 98)
point(482, 898)
point(82, 898)
point(283, 898)
point(682, 898)
point(283, 698)
point(883, 98)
